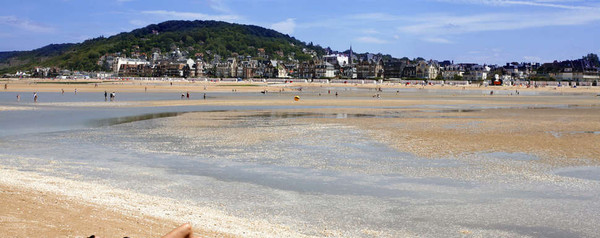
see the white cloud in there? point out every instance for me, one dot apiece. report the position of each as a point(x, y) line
point(218, 5)
point(437, 40)
point(286, 27)
point(370, 40)
point(25, 24)
point(377, 16)
point(174, 15)
point(370, 31)
point(564, 4)
point(443, 25)
point(138, 22)
point(532, 58)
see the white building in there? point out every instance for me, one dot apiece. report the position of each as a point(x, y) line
point(126, 61)
point(282, 72)
point(324, 70)
point(451, 71)
point(477, 72)
point(338, 59)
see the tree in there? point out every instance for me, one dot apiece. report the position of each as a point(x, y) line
point(593, 59)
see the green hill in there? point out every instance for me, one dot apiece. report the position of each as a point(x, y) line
point(206, 37)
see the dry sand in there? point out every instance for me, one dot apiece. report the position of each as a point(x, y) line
point(32, 205)
point(89, 85)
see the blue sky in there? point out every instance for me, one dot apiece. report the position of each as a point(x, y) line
point(481, 31)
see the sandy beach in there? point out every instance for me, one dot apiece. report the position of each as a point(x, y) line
point(98, 85)
point(557, 127)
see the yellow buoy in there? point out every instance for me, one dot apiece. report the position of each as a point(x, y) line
point(297, 98)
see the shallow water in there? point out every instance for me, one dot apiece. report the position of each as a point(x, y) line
point(308, 176)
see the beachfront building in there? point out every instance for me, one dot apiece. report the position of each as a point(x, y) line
point(306, 70)
point(347, 72)
point(453, 71)
point(282, 71)
point(324, 70)
point(393, 68)
point(128, 65)
point(477, 73)
point(409, 72)
point(427, 70)
point(368, 69)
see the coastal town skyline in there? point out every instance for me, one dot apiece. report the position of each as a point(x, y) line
point(492, 32)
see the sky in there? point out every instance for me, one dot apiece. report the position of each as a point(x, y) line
point(467, 31)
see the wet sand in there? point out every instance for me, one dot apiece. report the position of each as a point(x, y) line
point(560, 130)
point(34, 205)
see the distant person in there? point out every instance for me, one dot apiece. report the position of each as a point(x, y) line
point(182, 95)
point(75, 91)
point(112, 96)
point(62, 91)
point(145, 89)
point(18, 97)
point(5, 86)
point(204, 96)
point(35, 97)
point(187, 95)
point(491, 92)
point(105, 95)
point(336, 94)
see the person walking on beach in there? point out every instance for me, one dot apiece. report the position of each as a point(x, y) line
point(35, 97)
point(105, 95)
point(187, 94)
point(62, 91)
point(182, 95)
point(75, 91)
point(5, 86)
point(18, 97)
point(112, 96)
point(204, 96)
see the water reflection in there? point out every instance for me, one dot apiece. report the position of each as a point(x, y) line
point(128, 119)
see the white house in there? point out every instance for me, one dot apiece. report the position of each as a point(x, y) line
point(338, 59)
point(126, 61)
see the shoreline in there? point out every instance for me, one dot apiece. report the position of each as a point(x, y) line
point(47, 85)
